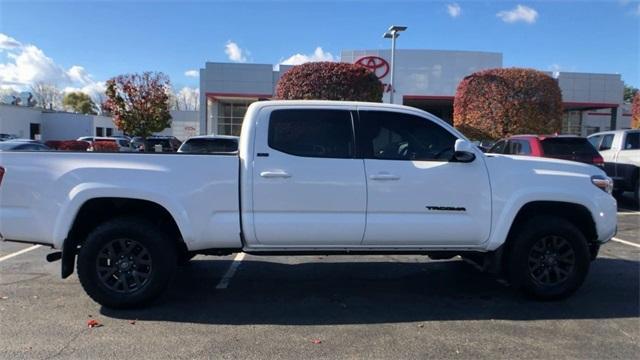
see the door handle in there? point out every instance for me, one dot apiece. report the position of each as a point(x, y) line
point(275, 174)
point(384, 176)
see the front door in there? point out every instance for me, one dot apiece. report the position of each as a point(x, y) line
point(416, 195)
point(309, 190)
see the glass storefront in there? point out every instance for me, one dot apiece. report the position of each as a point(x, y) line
point(230, 116)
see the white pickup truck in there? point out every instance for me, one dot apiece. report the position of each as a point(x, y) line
point(310, 177)
point(620, 150)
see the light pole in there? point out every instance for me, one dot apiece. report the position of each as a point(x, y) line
point(393, 32)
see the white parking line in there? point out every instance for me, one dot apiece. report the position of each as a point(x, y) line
point(629, 213)
point(625, 242)
point(224, 282)
point(7, 257)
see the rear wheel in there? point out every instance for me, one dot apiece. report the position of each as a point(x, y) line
point(126, 262)
point(548, 259)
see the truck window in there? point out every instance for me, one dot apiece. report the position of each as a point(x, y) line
point(396, 136)
point(633, 141)
point(518, 147)
point(498, 148)
point(607, 140)
point(312, 133)
point(595, 141)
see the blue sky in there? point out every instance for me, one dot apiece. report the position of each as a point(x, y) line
point(88, 42)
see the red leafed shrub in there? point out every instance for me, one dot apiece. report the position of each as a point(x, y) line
point(68, 145)
point(496, 103)
point(105, 146)
point(329, 81)
point(635, 111)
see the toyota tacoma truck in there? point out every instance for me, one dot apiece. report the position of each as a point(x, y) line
point(310, 177)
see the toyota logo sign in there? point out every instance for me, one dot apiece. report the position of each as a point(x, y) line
point(375, 64)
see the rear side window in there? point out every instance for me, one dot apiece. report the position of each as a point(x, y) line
point(567, 146)
point(595, 140)
point(633, 141)
point(312, 133)
point(518, 147)
point(607, 140)
point(396, 136)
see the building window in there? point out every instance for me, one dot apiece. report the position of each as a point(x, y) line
point(572, 123)
point(230, 116)
point(99, 131)
point(109, 131)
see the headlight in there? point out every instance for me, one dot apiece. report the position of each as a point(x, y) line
point(603, 182)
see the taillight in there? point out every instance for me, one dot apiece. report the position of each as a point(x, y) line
point(1, 174)
point(598, 161)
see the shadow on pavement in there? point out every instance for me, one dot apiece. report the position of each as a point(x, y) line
point(371, 292)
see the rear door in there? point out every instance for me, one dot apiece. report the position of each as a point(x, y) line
point(309, 188)
point(416, 195)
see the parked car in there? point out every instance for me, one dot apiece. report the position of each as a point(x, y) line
point(14, 145)
point(169, 143)
point(566, 147)
point(210, 144)
point(5, 137)
point(621, 152)
point(302, 184)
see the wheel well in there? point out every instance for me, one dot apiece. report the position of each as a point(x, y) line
point(96, 211)
point(577, 214)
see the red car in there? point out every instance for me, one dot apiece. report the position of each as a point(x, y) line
point(566, 147)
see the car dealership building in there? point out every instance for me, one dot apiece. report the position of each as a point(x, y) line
point(426, 79)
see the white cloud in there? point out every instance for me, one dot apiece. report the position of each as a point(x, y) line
point(26, 64)
point(234, 52)
point(519, 13)
point(192, 73)
point(454, 10)
point(7, 42)
point(317, 55)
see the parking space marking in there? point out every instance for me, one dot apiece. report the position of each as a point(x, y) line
point(7, 257)
point(629, 213)
point(626, 242)
point(224, 282)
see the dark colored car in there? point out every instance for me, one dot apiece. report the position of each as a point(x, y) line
point(17, 145)
point(210, 144)
point(565, 147)
point(169, 143)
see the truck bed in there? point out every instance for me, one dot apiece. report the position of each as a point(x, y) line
point(42, 192)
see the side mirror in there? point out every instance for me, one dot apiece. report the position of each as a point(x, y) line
point(463, 151)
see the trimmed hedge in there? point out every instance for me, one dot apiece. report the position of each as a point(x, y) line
point(329, 81)
point(497, 103)
point(68, 145)
point(105, 146)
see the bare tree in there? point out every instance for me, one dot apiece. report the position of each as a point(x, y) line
point(47, 95)
point(187, 99)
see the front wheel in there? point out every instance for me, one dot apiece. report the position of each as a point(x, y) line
point(548, 259)
point(126, 262)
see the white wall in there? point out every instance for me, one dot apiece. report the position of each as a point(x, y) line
point(184, 124)
point(15, 120)
point(70, 126)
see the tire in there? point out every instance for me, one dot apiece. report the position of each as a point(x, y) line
point(548, 259)
point(126, 262)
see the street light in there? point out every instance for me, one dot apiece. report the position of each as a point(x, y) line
point(393, 32)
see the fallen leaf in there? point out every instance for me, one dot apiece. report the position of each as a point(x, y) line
point(132, 322)
point(93, 323)
point(316, 341)
point(4, 297)
point(421, 325)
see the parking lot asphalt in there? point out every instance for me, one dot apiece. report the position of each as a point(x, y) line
point(326, 307)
